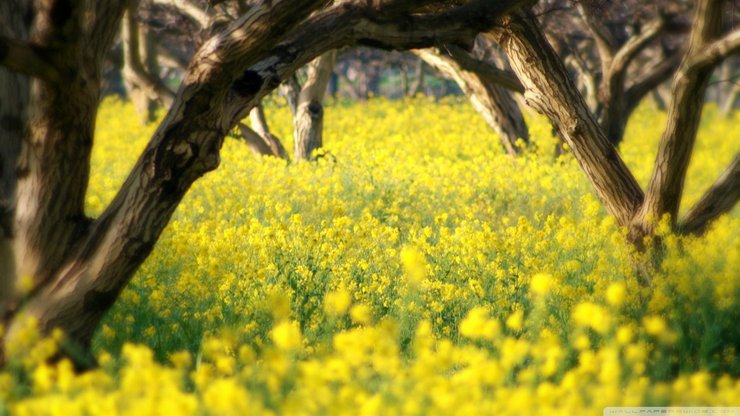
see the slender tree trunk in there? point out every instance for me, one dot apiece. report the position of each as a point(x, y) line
point(494, 103)
point(728, 105)
point(415, 87)
point(140, 66)
point(309, 118)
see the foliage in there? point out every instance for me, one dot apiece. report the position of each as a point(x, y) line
point(413, 269)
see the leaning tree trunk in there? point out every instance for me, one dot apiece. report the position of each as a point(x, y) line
point(14, 96)
point(550, 90)
point(79, 266)
point(493, 102)
point(309, 117)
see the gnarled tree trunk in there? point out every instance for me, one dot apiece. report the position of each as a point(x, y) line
point(78, 266)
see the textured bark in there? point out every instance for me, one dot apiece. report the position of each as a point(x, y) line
point(81, 265)
point(494, 103)
point(14, 96)
point(664, 192)
point(550, 91)
point(309, 117)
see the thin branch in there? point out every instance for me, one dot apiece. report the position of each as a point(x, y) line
point(653, 76)
point(506, 79)
point(635, 44)
point(155, 88)
point(26, 58)
point(718, 200)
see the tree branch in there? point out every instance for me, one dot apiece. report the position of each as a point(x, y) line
point(624, 56)
point(26, 58)
point(494, 103)
point(650, 78)
point(134, 66)
point(718, 200)
point(603, 36)
point(664, 191)
point(506, 79)
point(714, 53)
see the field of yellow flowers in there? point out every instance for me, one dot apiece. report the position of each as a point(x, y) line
point(413, 269)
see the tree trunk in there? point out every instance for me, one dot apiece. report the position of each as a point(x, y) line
point(728, 105)
point(550, 91)
point(494, 103)
point(309, 117)
point(664, 192)
point(140, 66)
point(415, 87)
point(79, 266)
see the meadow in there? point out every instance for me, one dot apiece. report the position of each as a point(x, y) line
point(414, 268)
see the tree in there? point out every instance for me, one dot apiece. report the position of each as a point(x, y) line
point(550, 91)
point(79, 265)
point(620, 52)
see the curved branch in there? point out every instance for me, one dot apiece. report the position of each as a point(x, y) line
point(624, 56)
point(506, 79)
point(718, 200)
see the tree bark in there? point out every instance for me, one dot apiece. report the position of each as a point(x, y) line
point(309, 117)
point(494, 103)
point(140, 67)
point(550, 91)
point(79, 265)
point(663, 196)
